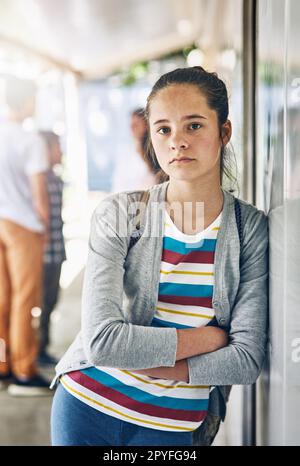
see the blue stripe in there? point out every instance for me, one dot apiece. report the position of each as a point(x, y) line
point(143, 397)
point(181, 247)
point(162, 323)
point(183, 289)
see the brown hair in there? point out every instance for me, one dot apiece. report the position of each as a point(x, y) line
point(49, 137)
point(150, 162)
point(214, 89)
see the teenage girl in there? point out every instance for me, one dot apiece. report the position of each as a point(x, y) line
point(154, 368)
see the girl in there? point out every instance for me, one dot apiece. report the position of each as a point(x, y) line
point(170, 323)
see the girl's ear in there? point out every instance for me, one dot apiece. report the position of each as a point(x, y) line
point(226, 132)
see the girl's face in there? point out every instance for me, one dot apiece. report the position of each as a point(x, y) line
point(182, 125)
point(55, 152)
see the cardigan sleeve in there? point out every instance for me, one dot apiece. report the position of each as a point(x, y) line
point(108, 339)
point(240, 362)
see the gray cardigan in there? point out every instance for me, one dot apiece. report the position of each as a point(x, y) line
point(116, 332)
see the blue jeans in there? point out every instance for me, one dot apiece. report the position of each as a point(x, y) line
point(75, 423)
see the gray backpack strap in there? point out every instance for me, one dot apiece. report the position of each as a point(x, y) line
point(137, 232)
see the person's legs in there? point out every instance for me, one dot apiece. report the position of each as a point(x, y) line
point(74, 423)
point(135, 435)
point(5, 303)
point(24, 259)
point(50, 295)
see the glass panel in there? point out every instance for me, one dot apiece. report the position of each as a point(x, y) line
point(278, 182)
point(292, 227)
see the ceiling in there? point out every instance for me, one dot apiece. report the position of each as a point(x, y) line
point(95, 37)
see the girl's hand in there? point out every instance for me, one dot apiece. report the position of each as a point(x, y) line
point(179, 372)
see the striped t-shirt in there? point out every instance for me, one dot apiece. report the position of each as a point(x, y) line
point(184, 301)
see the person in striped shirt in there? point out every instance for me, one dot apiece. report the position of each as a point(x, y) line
point(54, 252)
point(187, 114)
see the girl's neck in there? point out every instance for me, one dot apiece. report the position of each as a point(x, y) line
point(198, 217)
point(182, 191)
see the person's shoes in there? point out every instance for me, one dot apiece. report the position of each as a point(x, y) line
point(35, 386)
point(5, 379)
point(44, 359)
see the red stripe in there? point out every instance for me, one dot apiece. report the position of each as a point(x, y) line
point(193, 257)
point(129, 403)
point(188, 300)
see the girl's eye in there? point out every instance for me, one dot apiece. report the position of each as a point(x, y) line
point(163, 130)
point(195, 126)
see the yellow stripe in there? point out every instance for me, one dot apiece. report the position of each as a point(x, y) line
point(119, 412)
point(187, 272)
point(160, 384)
point(183, 313)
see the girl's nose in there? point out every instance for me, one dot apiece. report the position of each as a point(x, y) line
point(178, 143)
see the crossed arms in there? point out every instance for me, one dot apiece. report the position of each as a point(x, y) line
point(190, 342)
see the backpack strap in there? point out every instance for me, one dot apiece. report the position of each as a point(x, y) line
point(137, 233)
point(238, 217)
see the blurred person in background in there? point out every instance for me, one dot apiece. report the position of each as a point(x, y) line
point(54, 254)
point(142, 173)
point(139, 131)
point(24, 216)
